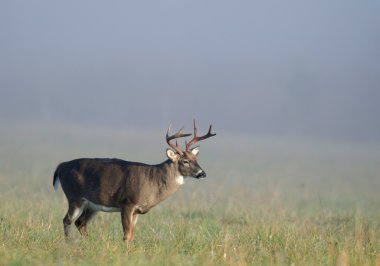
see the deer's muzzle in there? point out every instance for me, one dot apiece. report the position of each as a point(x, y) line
point(201, 174)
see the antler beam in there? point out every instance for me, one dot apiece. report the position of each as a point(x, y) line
point(196, 138)
point(177, 135)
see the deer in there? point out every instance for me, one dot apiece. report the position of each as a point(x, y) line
point(131, 188)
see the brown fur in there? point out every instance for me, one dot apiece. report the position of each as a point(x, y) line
point(129, 187)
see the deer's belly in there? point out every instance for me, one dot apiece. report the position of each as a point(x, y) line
point(97, 207)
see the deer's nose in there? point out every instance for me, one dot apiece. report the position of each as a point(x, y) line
point(201, 174)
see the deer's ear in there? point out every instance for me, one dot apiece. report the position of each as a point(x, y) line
point(172, 155)
point(195, 150)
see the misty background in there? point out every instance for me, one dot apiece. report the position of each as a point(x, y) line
point(282, 68)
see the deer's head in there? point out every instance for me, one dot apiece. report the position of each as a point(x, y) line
point(186, 160)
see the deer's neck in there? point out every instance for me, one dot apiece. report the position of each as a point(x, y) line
point(173, 177)
point(169, 179)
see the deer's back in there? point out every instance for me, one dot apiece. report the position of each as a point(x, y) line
point(99, 180)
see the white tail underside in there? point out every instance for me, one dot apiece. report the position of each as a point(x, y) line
point(56, 184)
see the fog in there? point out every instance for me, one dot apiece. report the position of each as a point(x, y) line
point(282, 68)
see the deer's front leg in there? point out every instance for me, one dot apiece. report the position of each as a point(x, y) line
point(127, 222)
point(134, 221)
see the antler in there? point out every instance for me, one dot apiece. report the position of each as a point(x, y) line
point(196, 138)
point(179, 134)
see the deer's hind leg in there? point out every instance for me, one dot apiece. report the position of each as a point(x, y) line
point(82, 221)
point(74, 212)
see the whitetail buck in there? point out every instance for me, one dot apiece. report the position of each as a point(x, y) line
point(132, 188)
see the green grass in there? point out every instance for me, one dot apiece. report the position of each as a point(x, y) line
point(265, 201)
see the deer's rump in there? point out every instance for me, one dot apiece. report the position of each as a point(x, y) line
point(100, 181)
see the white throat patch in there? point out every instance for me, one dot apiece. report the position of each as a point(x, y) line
point(179, 180)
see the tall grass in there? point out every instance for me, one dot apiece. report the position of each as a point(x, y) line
point(265, 201)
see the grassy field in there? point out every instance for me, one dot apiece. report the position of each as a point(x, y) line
point(266, 201)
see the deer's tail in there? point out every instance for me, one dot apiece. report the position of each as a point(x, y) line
point(56, 178)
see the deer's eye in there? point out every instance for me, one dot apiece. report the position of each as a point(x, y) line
point(186, 163)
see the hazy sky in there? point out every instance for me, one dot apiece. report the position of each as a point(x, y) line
point(263, 67)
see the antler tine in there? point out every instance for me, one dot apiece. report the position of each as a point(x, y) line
point(196, 138)
point(179, 134)
point(195, 129)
